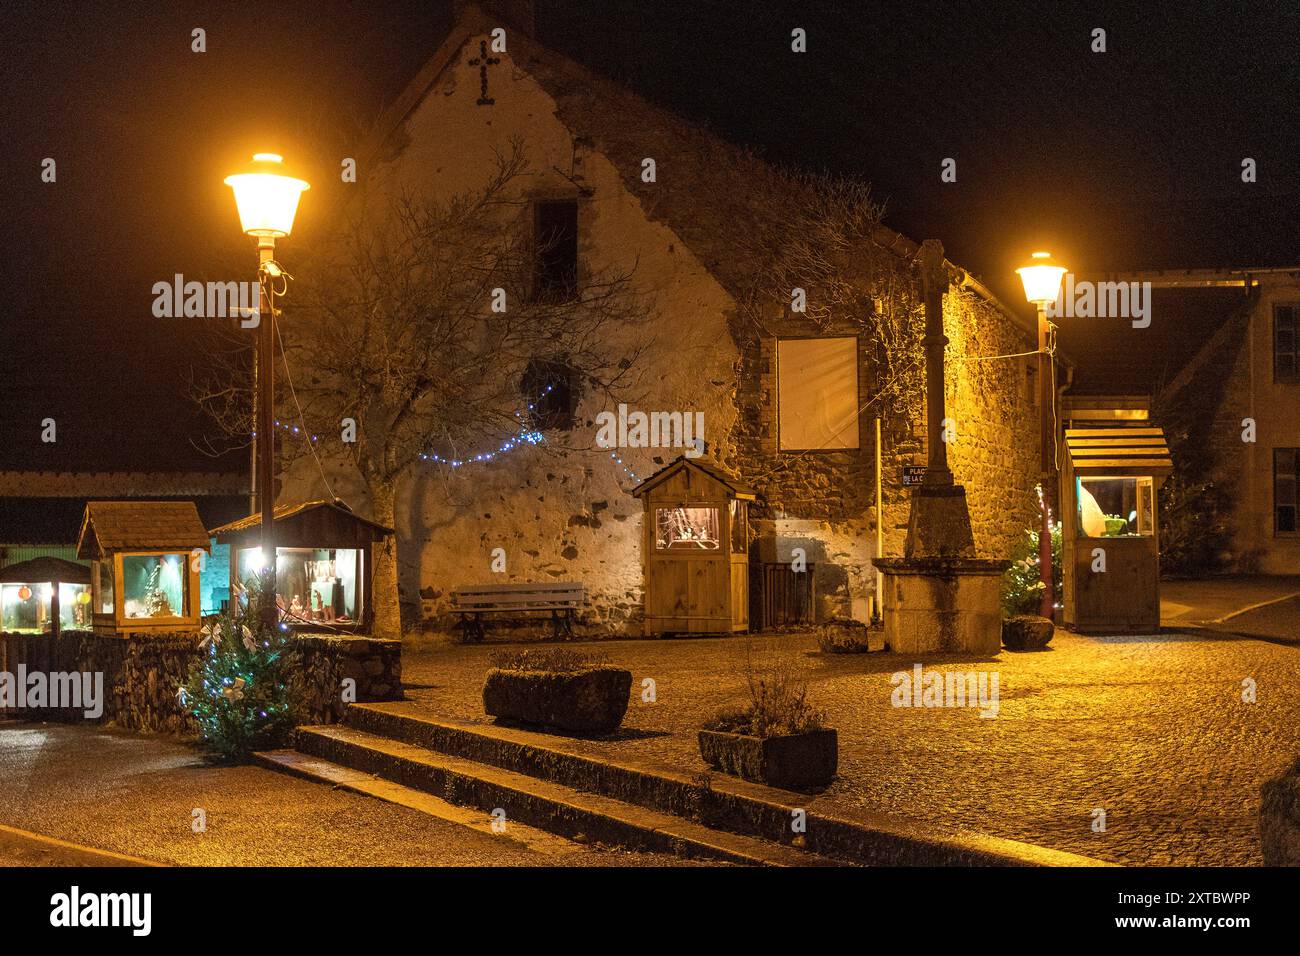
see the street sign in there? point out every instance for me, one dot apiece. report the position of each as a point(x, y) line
point(913, 474)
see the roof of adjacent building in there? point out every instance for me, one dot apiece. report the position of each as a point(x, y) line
point(40, 570)
point(121, 484)
point(111, 526)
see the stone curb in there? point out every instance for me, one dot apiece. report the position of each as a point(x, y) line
point(536, 802)
point(719, 802)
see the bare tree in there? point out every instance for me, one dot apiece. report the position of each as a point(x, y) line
point(426, 327)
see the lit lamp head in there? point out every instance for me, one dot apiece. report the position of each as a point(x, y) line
point(266, 197)
point(1041, 278)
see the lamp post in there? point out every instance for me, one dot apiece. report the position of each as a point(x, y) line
point(1042, 282)
point(267, 200)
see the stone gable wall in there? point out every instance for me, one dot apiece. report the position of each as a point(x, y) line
point(562, 511)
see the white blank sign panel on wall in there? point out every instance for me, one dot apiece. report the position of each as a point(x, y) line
point(817, 393)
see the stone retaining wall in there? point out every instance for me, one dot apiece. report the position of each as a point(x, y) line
point(143, 671)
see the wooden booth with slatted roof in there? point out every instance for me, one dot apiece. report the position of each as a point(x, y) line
point(1114, 463)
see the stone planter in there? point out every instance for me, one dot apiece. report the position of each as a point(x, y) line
point(845, 636)
point(593, 700)
point(1279, 819)
point(1026, 632)
point(797, 762)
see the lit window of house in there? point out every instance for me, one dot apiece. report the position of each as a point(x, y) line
point(817, 393)
point(1286, 343)
point(555, 250)
point(1285, 461)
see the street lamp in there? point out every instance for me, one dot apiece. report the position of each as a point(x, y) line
point(1042, 282)
point(267, 200)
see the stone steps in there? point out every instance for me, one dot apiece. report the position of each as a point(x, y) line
point(527, 800)
point(726, 805)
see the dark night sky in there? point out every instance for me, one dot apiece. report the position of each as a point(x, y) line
point(1129, 159)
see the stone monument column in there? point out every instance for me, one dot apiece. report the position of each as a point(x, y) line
point(939, 597)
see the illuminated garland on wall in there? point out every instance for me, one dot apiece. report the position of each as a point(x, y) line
point(527, 436)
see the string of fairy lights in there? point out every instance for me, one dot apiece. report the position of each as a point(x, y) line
point(526, 436)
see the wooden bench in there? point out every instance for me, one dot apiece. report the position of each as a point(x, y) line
point(561, 598)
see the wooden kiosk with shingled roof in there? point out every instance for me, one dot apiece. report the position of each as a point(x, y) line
point(695, 549)
point(1115, 462)
point(145, 560)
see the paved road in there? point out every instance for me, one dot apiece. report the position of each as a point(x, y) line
point(1273, 622)
point(23, 848)
point(136, 795)
point(1208, 601)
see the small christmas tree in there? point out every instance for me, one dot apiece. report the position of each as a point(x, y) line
point(244, 690)
point(1022, 585)
point(155, 601)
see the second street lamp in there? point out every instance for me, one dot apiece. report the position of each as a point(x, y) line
point(267, 200)
point(1042, 282)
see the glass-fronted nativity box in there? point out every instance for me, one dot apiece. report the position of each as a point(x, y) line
point(323, 557)
point(144, 570)
point(695, 550)
point(1110, 536)
point(45, 596)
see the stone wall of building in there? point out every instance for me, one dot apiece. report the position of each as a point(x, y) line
point(705, 237)
point(560, 510)
point(143, 672)
point(1274, 406)
point(825, 502)
point(992, 400)
point(1223, 485)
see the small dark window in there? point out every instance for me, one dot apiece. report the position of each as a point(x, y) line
point(555, 250)
point(1031, 382)
point(551, 389)
point(1285, 461)
point(1286, 343)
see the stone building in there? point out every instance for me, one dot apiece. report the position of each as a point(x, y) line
point(1233, 416)
point(720, 242)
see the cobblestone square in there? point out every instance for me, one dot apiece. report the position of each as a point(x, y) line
point(1153, 730)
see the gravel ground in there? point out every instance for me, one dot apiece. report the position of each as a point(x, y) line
point(1152, 730)
point(135, 794)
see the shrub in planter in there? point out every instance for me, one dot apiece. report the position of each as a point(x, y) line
point(779, 739)
point(843, 635)
point(557, 688)
point(1026, 632)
